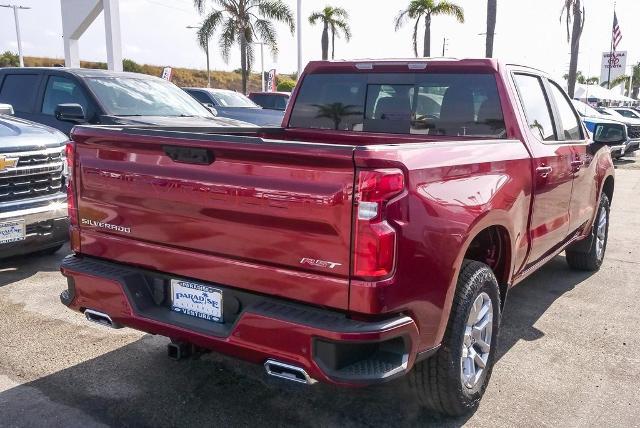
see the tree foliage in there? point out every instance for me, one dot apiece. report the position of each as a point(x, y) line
point(334, 20)
point(419, 9)
point(9, 59)
point(241, 23)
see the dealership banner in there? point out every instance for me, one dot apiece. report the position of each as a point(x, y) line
point(616, 61)
point(271, 81)
point(167, 73)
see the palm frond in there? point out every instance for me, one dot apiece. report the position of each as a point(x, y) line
point(227, 38)
point(208, 27)
point(401, 19)
point(277, 10)
point(343, 27)
point(266, 31)
point(448, 8)
point(315, 17)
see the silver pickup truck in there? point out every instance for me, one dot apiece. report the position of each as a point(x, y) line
point(33, 205)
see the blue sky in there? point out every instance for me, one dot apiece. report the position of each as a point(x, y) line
point(528, 32)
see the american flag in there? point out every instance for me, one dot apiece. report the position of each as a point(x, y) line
point(616, 35)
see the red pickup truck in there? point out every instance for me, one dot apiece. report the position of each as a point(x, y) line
point(374, 236)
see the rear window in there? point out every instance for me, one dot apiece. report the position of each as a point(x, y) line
point(19, 90)
point(430, 104)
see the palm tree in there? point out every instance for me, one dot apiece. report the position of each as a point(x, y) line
point(427, 8)
point(624, 79)
point(594, 80)
point(335, 20)
point(242, 22)
point(575, 15)
point(579, 77)
point(492, 12)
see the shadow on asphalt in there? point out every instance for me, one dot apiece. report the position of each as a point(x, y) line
point(137, 385)
point(22, 267)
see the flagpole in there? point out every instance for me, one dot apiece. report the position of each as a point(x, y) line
point(611, 46)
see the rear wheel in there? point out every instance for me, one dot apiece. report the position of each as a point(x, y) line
point(453, 381)
point(589, 255)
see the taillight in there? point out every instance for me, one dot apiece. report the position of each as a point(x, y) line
point(71, 192)
point(375, 239)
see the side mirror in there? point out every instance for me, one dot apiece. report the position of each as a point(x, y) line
point(70, 113)
point(6, 109)
point(610, 133)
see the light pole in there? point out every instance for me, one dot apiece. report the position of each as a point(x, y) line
point(299, 34)
point(206, 51)
point(261, 61)
point(15, 16)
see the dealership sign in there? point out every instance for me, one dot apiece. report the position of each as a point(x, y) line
point(271, 81)
point(614, 61)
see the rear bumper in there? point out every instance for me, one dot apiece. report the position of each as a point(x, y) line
point(329, 346)
point(46, 227)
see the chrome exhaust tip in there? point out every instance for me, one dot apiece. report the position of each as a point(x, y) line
point(287, 371)
point(100, 318)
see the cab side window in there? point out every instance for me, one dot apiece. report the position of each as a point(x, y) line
point(571, 126)
point(61, 90)
point(536, 107)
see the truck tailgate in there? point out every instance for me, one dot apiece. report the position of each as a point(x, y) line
point(268, 216)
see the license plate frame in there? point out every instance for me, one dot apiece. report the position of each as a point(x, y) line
point(13, 231)
point(197, 300)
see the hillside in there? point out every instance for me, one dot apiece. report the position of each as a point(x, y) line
point(181, 76)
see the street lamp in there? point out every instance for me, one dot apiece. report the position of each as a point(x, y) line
point(261, 62)
point(299, 34)
point(206, 50)
point(15, 16)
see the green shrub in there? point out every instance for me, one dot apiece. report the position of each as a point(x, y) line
point(286, 85)
point(9, 59)
point(131, 65)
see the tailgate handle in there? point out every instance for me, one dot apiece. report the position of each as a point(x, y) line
point(194, 155)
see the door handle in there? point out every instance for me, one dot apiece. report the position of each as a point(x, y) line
point(544, 171)
point(576, 165)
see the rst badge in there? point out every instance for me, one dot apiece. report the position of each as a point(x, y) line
point(319, 263)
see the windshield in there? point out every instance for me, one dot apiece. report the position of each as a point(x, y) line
point(585, 109)
point(406, 103)
point(232, 99)
point(126, 96)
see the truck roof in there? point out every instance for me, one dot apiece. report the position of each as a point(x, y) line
point(81, 72)
point(402, 64)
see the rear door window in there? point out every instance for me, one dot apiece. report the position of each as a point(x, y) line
point(61, 90)
point(425, 103)
point(571, 126)
point(535, 105)
point(20, 91)
point(201, 97)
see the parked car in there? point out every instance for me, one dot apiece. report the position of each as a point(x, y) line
point(271, 100)
point(633, 127)
point(627, 112)
point(33, 201)
point(64, 97)
point(592, 117)
point(365, 241)
point(234, 105)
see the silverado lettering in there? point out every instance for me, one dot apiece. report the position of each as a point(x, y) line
point(433, 186)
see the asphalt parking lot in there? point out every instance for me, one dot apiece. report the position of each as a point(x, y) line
point(569, 356)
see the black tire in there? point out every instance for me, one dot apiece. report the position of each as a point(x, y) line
point(437, 382)
point(584, 254)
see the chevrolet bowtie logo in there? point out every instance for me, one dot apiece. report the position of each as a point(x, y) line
point(6, 162)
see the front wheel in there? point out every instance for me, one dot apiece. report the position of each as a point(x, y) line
point(453, 381)
point(589, 255)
